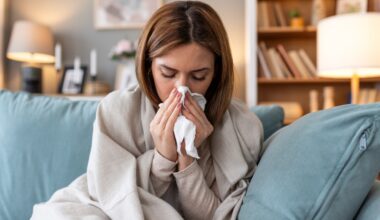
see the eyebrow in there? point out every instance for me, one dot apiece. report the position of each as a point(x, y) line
point(192, 71)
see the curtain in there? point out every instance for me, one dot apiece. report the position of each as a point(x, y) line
point(2, 30)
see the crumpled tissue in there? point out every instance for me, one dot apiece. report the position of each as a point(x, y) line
point(184, 129)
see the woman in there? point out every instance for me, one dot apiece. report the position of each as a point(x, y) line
point(134, 170)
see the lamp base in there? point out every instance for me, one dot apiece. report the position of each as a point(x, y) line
point(31, 79)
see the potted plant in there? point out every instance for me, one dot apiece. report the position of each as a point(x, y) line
point(296, 21)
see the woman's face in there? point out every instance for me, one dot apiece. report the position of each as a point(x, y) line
point(188, 65)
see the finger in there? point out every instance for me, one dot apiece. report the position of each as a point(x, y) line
point(199, 111)
point(193, 102)
point(173, 118)
point(191, 107)
point(169, 110)
point(166, 103)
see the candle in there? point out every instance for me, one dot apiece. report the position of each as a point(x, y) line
point(76, 64)
point(58, 56)
point(93, 63)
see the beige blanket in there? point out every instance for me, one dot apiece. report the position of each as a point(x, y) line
point(117, 184)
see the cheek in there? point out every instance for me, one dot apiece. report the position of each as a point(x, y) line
point(163, 87)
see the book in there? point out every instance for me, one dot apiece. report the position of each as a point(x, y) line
point(308, 63)
point(263, 64)
point(372, 93)
point(260, 20)
point(277, 67)
point(264, 49)
point(284, 69)
point(363, 96)
point(280, 15)
point(377, 95)
point(263, 6)
point(298, 62)
point(288, 61)
point(271, 15)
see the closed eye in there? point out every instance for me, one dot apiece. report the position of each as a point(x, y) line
point(167, 75)
point(199, 78)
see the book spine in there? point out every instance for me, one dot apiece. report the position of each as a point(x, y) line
point(280, 16)
point(308, 63)
point(297, 61)
point(264, 50)
point(263, 64)
point(288, 61)
point(276, 64)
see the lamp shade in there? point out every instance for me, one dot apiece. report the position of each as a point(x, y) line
point(349, 44)
point(31, 42)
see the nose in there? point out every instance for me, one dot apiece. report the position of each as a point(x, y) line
point(182, 80)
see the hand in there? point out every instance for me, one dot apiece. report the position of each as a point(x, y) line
point(162, 126)
point(194, 113)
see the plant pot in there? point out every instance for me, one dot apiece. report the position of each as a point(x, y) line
point(297, 22)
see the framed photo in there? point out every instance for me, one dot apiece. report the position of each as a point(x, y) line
point(72, 81)
point(119, 14)
point(351, 6)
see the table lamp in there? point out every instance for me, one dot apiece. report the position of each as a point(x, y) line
point(348, 46)
point(32, 44)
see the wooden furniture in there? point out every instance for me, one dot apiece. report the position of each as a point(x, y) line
point(291, 89)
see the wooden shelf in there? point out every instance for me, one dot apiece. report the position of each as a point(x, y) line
point(277, 90)
point(280, 32)
point(311, 81)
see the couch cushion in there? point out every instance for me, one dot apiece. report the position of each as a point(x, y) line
point(272, 118)
point(319, 167)
point(45, 144)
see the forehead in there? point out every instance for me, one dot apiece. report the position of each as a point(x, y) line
point(187, 57)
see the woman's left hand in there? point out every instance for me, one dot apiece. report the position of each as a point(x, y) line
point(194, 113)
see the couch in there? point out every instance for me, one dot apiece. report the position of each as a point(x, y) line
point(45, 144)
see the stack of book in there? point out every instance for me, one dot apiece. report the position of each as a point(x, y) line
point(369, 95)
point(270, 14)
point(279, 63)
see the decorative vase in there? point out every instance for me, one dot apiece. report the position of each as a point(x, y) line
point(297, 22)
point(125, 75)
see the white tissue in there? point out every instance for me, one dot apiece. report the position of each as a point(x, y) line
point(184, 129)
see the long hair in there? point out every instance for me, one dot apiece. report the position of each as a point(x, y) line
point(184, 22)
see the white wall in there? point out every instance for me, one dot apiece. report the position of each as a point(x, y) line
point(72, 24)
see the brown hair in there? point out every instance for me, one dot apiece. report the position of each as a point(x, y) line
point(183, 22)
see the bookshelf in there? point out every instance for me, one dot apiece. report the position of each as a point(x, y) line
point(289, 88)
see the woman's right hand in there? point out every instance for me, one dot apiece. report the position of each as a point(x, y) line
point(162, 126)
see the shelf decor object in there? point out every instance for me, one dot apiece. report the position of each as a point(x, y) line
point(32, 44)
point(348, 46)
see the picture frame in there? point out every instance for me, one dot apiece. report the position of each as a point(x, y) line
point(123, 14)
point(351, 6)
point(72, 82)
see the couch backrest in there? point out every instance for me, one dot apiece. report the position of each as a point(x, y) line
point(44, 145)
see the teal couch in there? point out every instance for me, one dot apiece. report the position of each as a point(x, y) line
point(45, 144)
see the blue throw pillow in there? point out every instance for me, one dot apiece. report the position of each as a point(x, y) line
point(320, 167)
point(45, 144)
point(272, 118)
point(371, 206)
